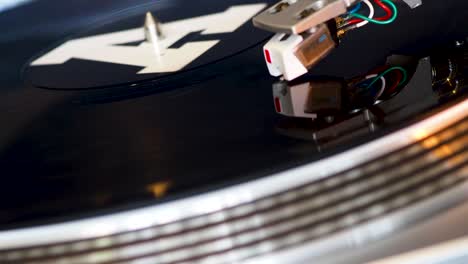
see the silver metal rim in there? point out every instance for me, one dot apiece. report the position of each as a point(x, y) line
point(233, 196)
point(364, 233)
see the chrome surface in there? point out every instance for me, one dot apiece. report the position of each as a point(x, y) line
point(449, 252)
point(298, 16)
point(413, 3)
point(350, 204)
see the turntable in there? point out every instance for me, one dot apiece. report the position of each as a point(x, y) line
point(183, 132)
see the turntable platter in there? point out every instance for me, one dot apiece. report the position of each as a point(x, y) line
point(93, 123)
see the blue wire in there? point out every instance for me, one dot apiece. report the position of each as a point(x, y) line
point(365, 85)
point(356, 8)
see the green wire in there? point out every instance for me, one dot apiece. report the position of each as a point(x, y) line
point(395, 14)
point(403, 71)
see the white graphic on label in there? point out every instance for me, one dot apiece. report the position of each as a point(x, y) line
point(105, 47)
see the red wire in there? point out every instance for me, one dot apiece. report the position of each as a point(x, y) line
point(397, 82)
point(387, 10)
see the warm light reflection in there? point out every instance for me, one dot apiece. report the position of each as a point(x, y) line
point(441, 151)
point(159, 189)
point(444, 151)
point(431, 142)
point(420, 134)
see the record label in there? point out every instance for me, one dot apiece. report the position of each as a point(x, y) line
point(114, 54)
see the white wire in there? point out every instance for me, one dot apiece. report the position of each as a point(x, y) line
point(383, 81)
point(371, 13)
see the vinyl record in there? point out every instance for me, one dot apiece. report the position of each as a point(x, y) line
point(95, 121)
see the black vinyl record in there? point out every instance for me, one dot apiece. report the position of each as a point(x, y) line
point(93, 123)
